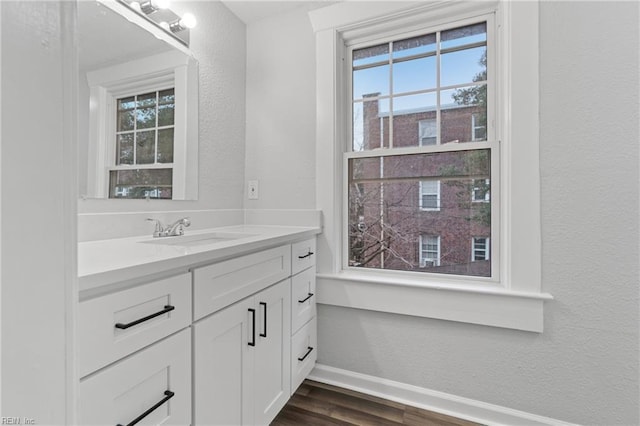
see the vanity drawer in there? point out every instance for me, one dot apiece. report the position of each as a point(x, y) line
point(158, 376)
point(225, 283)
point(303, 298)
point(304, 352)
point(303, 255)
point(113, 326)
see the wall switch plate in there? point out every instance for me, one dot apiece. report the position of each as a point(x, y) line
point(252, 189)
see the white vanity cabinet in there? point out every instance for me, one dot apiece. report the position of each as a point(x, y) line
point(241, 360)
point(224, 341)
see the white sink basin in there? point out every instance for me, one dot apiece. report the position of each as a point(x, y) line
point(198, 239)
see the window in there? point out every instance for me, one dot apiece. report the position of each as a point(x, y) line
point(144, 132)
point(480, 248)
point(430, 195)
point(427, 132)
point(143, 140)
point(480, 191)
point(429, 251)
point(438, 80)
point(478, 127)
point(363, 158)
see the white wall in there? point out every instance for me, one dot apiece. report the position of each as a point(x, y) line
point(584, 367)
point(280, 150)
point(219, 44)
point(38, 208)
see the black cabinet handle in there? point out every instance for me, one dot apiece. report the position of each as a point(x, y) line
point(168, 396)
point(306, 255)
point(253, 327)
point(265, 320)
point(167, 308)
point(309, 349)
point(306, 298)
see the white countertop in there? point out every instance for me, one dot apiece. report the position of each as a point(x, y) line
point(107, 262)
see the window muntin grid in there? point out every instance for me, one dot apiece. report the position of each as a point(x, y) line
point(145, 127)
point(396, 117)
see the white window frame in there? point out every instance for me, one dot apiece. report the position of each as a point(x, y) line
point(436, 260)
point(514, 297)
point(422, 192)
point(487, 248)
point(157, 72)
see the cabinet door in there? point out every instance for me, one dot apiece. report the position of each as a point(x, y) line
point(154, 384)
point(272, 383)
point(223, 366)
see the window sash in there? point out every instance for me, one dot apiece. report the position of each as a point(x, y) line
point(491, 142)
point(489, 83)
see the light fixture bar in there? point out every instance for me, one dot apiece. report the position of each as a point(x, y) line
point(158, 13)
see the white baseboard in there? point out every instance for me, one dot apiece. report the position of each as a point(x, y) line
point(464, 408)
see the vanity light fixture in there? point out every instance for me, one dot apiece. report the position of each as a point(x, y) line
point(158, 12)
point(151, 6)
point(187, 21)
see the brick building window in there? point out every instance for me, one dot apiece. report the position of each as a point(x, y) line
point(478, 127)
point(430, 195)
point(480, 248)
point(429, 251)
point(427, 132)
point(480, 191)
point(403, 190)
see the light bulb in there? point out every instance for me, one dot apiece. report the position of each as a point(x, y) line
point(135, 6)
point(188, 21)
point(165, 25)
point(161, 4)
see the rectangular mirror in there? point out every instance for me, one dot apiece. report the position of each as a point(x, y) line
point(138, 107)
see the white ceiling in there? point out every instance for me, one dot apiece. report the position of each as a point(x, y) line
point(256, 10)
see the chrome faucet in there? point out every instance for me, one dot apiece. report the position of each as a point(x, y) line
point(173, 230)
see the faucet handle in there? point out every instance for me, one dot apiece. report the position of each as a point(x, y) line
point(159, 229)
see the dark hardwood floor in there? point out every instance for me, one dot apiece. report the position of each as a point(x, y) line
point(319, 404)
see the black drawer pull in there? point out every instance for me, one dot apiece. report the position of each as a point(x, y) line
point(265, 320)
point(253, 327)
point(167, 308)
point(168, 396)
point(306, 298)
point(306, 255)
point(309, 349)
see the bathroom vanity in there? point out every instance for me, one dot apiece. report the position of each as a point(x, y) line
point(214, 327)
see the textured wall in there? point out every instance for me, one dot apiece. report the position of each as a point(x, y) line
point(584, 367)
point(281, 88)
point(219, 44)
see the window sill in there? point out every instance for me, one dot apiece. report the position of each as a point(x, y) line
point(475, 304)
